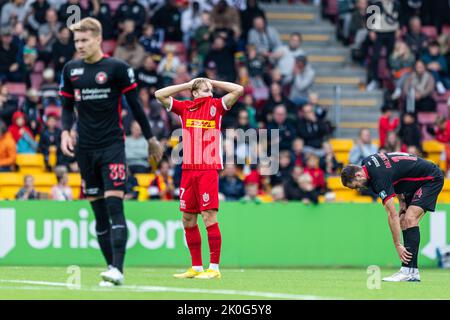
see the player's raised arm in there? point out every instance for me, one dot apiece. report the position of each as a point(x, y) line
point(164, 95)
point(235, 91)
point(394, 225)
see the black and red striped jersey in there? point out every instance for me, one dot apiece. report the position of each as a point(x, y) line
point(97, 90)
point(395, 173)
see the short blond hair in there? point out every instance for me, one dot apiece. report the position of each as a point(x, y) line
point(197, 83)
point(87, 24)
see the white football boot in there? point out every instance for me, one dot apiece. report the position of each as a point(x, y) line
point(404, 275)
point(113, 275)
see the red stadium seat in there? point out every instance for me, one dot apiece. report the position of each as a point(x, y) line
point(426, 117)
point(51, 109)
point(16, 89)
point(442, 109)
point(36, 80)
point(331, 8)
point(430, 31)
point(108, 46)
point(39, 67)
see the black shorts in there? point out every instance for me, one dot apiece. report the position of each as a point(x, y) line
point(102, 170)
point(426, 196)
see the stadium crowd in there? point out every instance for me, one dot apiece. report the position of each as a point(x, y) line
point(170, 42)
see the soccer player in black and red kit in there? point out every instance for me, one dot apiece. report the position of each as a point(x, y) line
point(95, 85)
point(416, 183)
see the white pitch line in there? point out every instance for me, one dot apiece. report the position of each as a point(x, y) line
point(272, 295)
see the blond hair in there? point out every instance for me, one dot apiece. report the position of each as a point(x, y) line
point(197, 83)
point(87, 24)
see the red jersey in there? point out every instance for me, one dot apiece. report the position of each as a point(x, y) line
point(201, 119)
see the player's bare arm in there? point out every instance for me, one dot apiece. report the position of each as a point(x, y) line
point(164, 95)
point(235, 91)
point(394, 225)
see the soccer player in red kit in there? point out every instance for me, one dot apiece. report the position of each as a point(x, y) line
point(202, 158)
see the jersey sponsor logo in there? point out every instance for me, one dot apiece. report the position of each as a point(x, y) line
point(386, 161)
point(96, 93)
point(375, 161)
point(205, 197)
point(77, 94)
point(212, 111)
point(101, 77)
point(76, 72)
point(383, 195)
point(197, 123)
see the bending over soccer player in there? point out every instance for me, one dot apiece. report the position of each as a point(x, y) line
point(202, 158)
point(417, 184)
point(95, 84)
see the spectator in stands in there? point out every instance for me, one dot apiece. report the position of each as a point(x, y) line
point(7, 149)
point(300, 81)
point(285, 54)
point(312, 130)
point(298, 155)
point(100, 10)
point(168, 18)
point(10, 69)
point(393, 143)
point(49, 89)
point(130, 51)
point(436, 64)
point(61, 191)
point(51, 139)
point(152, 41)
point(318, 175)
point(27, 192)
point(136, 150)
point(63, 50)
point(256, 64)
point(264, 37)
point(8, 105)
point(286, 129)
point(422, 83)
point(222, 53)
point(162, 186)
point(14, 11)
point(386, 123)
point(225, 17)
point(64, 14)
point(36, 14)
point(147, 77)
point(384, 36)
point(191, 20)
point(415, 38)
point(131, 187)
point(441, 132)
point(251, 194)
point(248, 15)
point(30, 53)
point(409, 132)
point(401, 63)
point(202, 36)
point(22, 134)
point(301, 188)
point(277, 97)
point(285, 169)
point(33, 110)
point(168, 66)
point(158, 122)
point(344, 15)
point(230, 185)
point(48, 34)
point(328, 163)
point(362, 148)
point(277, 194)
point(358, 20)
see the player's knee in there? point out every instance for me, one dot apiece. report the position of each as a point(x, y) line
point(189, 220)
point(102, 223)
point(115, 209)
point(410, 221)
point(209, 217)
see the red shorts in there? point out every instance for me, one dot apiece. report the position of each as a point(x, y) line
point(199, 190)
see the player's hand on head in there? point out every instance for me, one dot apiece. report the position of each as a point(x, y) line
point(155, 150)
point(404, 255)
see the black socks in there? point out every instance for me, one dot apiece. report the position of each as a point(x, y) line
point(119, 231)
point(103, 228)
point(411, 240)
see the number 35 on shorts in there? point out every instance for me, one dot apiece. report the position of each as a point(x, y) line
point(117, 171)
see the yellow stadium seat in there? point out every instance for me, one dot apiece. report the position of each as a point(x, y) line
point(30, 160)
point(143, 194)
point(342, 156)
point(144, 179)
point(76, 193)
point(52, 156)
point(31, 170)
point(341, 145)
point(362, 199)
point(11, 179)
point(334, 183)
point(44, 179)
point(346, 195)
point(8, 193)
point(446, 185)
point(74, 180)
point(433, 146)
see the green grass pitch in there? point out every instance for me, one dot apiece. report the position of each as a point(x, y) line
point(158, 283)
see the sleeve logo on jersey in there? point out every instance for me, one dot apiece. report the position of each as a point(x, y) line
point(212, 111)
point(131, 75)
point(101, 77)
point(77, 94)
point(196, 123)
point(76, 72)
point(377, 164)
point(383, 195)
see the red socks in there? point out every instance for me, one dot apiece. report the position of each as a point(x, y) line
point(215, 242)
point(194, 242)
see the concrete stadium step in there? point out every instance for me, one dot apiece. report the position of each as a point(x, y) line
point(333, 51)
point(304, 29)
point(348, 94)
point(352, 133)
point(341, 72)
point(337, 80)
point(284, 17)
point(355, 103)
point(312, 39)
